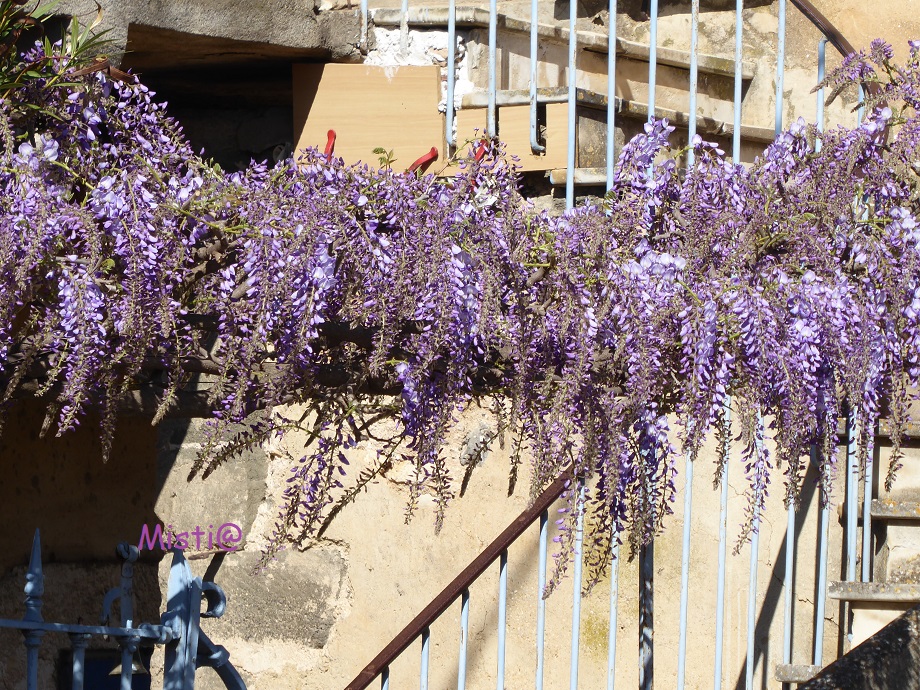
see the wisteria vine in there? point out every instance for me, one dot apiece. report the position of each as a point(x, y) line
point(607, 340)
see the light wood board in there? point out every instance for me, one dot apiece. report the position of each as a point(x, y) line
point(514, 130)
point(369, 107)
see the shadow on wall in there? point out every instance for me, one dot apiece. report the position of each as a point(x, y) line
point(83, 508)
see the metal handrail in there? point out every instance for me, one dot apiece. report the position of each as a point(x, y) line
point(498, 549)
point(460, 584)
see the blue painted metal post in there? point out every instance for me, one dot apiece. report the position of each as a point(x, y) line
point(819, 117)
point(823, 529)
point(576, 583)
point(736, 108)
point(572, 75)
point(78, 642)
point(789, 583)
point(852, 493)
point(491, 116)
point(426, 653)
point(723, 543)
point(691, 129)
point(502, 617)
point(780, 64)
point(385, 679)
point(646, 615)
point(404, 28)
point(752, 603)
point(867, 513)
point(449, 136)
point(611, 90)
point(364, 24)
point(612, 629)
point(535, 145)
point(652, 57)
point(821, 594)
point(541, 602)
point(128, 647)
point(685, 570)
point(34, 589)
point(464, 637)
point(752, 582)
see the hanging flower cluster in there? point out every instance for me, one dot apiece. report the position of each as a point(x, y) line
point(610, 339)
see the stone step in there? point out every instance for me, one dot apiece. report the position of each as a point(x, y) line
point(631, 109)
point(584, 177)
point(888, 592)
point(795, 673)
point(890, 509)
point(469, 17)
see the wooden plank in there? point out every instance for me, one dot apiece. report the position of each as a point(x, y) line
point(368, 107)
point(514, 130)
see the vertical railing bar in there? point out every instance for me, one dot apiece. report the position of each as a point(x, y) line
point(385, 678)
point(404, 28)
point(821, 593)
point(364, 24)
point(752, 601)
point(652, 57)
point(789, 583)
point(852, 432)
point(612, 630)
point(78, 642)
point(723, 544)
point(535, 145)
point(752, 582)
point(128, 647)
point(491, 117)
point(502, 617)
point(780, 65)
point(464, 636)
point(694, 79)
point(449, 137)
point(611, 90)
point(34, 590)
point(685, 570)
point(867, 482)
point(821, 590)
point(646, 616)
point(541, 602)
point(426, 650)
point(819, 115)
point(867, 513)
point(576, 581)
point(572, 75)
point(736, 107)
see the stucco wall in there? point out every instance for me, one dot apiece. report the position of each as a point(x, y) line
point(317, 616)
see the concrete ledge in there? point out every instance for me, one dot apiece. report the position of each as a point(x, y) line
point(796, 673)
point(873, 591)
point(595, 42)
point(888, 509)
point(889, 660)
point(626, 108)
point(584, 177)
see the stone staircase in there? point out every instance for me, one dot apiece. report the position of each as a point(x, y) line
point(716, 70)
point(895, 585)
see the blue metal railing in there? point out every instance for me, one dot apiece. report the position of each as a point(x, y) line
point(187, 647)
point(498, 551)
